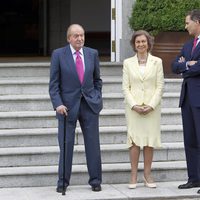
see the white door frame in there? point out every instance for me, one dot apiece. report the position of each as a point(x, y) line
point(116, 29)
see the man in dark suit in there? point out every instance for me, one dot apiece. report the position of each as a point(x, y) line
point(76, 93)
point(188, 64)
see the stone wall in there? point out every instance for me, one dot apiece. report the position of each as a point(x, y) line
point(126, 50)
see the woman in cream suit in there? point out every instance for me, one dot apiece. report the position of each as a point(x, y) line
point(142, 87)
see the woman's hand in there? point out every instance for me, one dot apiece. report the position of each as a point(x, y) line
point(138, 108)
point(142, 109)
point(147, 109)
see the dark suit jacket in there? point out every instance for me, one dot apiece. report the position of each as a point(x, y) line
point(65, 87)
point(191, 76)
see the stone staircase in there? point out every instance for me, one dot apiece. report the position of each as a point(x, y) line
point(28, 134)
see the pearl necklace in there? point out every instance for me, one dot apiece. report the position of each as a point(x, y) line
point(142, 61)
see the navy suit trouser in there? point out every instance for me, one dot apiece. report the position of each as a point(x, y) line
point(89, 122)
point(191, 132)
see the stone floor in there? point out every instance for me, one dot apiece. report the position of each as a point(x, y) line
point(166, 190)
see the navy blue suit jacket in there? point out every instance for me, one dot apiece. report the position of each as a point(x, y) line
point(191, 76)
point(65, 87)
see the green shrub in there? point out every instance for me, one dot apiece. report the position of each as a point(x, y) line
point(157, 16)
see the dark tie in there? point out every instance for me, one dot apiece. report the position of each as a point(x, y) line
point(194, 44)
point(79, 66)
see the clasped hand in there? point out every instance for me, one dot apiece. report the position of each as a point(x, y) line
point(142, 109)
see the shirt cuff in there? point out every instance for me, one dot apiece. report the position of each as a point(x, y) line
point(186, 67)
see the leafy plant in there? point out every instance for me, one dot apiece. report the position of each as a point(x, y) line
point(157, 16)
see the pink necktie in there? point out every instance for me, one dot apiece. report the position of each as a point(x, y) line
point(194, 43)
point(79, 66)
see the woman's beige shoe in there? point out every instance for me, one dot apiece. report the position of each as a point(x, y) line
point(132, 186)
point(150, 185)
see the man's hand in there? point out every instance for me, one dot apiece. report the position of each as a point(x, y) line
point(62, 110)
point(181, 59)
point(192, 62)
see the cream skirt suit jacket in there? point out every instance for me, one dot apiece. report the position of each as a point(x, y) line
point(143, 89)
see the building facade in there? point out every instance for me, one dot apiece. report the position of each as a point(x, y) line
point(36, 27)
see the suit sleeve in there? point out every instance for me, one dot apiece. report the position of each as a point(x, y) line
point(177, 67)
point(96, 75)
point(54, 83)
point(156, 99)
point(193, 70)
point(181, 68)
point(126, 86)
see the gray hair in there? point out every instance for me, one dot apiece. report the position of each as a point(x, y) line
point(68, 33)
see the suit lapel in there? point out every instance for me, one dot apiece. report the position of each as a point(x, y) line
point(86, 62)
point(135, 67)
point(148, 68)
point(196, 50)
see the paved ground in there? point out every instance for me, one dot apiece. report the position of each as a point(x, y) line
point(116, 192)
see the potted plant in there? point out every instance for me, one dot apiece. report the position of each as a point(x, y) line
point(166, 21)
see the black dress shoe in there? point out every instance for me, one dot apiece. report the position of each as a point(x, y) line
point(60, 189)
point(96, 188)
point(188, 185)
point(198, 191)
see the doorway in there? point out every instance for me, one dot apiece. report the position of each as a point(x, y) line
point(95, 17)
point(35, 27)
point(19, 21)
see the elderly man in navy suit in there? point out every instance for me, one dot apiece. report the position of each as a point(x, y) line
point(188, 64)
point(75, 90)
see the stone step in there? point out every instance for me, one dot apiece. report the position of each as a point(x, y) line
point(111, 153)
point(44, 119)
point(112, 174)
point(173, 85)
point(170, 99)
point(48, 136)
point(115, 83)
point(28, 134)
point(23, 85)
point(28, 137)
point(112, 84)
point(42, 102)
point(24, 69)
point(38, 69)
point(118, 134)
point(39, 85)
point(13, 103)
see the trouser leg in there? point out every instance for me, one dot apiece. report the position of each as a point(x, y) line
point(89, 122)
